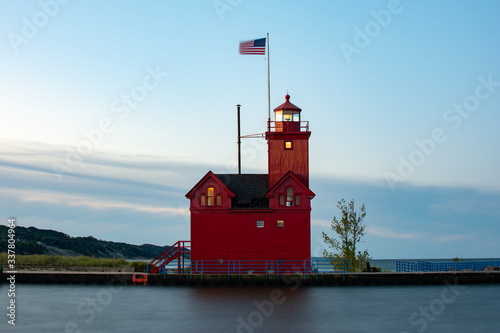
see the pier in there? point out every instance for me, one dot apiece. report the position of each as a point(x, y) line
point(258, 280)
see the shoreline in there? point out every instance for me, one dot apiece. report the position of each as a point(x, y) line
point(255, 280)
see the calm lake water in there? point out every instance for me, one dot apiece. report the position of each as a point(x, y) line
point(65, 308)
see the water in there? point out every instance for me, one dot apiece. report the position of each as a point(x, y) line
point(81, 308)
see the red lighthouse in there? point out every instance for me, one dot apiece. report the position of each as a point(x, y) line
point(250, 219)
point(258, 216)
point(288, 144)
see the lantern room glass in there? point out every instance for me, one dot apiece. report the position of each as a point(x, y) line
point(278, 115)
point(287, 116)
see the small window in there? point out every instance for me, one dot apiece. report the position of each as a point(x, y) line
point(288, 145)
point(260, 224)
point(211, 196)
point(202, 200)
point(280, 224)
point(297, 200)
point(219, 200)
point(288, 117)
point(282, 200)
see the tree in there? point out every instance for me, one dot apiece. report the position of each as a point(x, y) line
point(349, 229)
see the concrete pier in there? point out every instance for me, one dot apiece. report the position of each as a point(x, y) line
point(350, 279)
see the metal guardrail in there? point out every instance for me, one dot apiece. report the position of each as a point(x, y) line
point(258, 267)
point(302, 126)
point(269, 267)
point(325, 265)
point(406, 266)
point(426, 266)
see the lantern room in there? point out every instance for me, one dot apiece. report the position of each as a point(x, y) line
point(287, 117)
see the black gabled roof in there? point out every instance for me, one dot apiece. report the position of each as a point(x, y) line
point(250, 189)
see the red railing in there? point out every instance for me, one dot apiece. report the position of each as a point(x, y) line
point(280, 126)
point(177, 251)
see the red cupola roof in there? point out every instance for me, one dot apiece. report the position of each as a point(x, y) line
point(287, 106)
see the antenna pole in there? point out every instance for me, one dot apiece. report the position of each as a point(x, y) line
point(268, 88)
point(239, 140)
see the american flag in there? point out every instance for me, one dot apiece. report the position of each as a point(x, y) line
point(257, 46)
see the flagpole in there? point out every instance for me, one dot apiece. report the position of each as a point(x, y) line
point(268, 89)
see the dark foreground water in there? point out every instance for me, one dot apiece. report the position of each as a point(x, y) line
point(63, 308)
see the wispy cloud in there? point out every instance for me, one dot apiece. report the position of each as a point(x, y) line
point(74, 200)
point(321, 223)
point(469, 205)
point(388, 233)
point(451, 238)
point(429, 237)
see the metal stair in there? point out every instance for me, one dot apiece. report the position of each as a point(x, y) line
point(178, 252)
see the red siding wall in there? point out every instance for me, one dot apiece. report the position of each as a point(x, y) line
point(282, 160)
point(235, 236)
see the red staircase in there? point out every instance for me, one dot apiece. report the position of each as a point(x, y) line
point(177, 251)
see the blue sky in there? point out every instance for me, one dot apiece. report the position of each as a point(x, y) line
point(112, 110)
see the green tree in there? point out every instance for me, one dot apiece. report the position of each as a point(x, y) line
point(349, 229)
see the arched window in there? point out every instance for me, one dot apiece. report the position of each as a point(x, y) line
point(289, 196)
point(290, 199)
point(210, 197)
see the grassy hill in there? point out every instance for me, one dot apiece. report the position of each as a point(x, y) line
point(40, 241)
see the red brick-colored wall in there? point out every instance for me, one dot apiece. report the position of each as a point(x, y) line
point(235, 236)
point(282, 160)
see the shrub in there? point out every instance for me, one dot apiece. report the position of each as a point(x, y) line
point(139, 266)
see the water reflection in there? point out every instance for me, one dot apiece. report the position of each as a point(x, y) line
point(54, 308)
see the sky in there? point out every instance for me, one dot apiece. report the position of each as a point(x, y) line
point(111, 111)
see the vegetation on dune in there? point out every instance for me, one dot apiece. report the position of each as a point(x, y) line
point(38, 260)
point(32, 240)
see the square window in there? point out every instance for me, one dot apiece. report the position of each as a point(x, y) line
point(280, 224)
point(288, 144)
point(260, 224)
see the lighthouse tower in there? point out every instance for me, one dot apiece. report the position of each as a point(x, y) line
point(288, 144)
